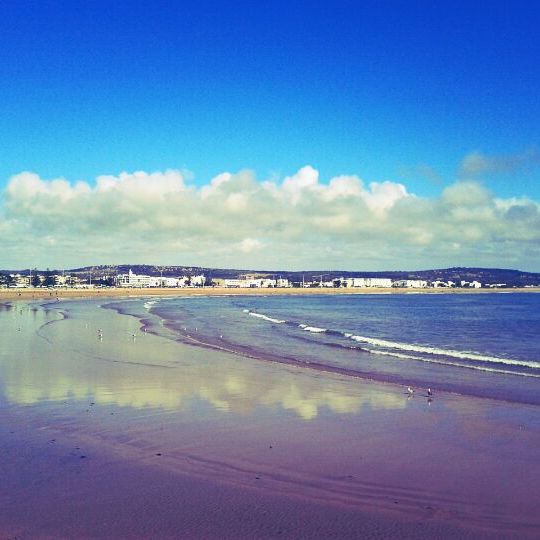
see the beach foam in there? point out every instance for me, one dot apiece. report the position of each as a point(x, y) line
point(454, 364)
point(442, 352)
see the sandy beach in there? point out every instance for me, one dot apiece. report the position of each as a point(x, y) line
point(113, 292)
point(108, 432)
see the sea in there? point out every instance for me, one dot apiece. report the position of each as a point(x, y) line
point(484, 345)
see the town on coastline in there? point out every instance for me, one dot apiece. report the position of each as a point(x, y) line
point(51, 279)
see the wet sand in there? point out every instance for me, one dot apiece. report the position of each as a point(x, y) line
point(123, 436)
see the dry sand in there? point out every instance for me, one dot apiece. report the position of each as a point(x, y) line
point(32, 294)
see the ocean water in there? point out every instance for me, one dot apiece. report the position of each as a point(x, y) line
point(482, 345)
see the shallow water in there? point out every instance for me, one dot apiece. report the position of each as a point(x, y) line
point(483, 345)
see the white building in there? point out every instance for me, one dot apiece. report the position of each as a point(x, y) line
point(368, 282)
point(234, 283)
point(255, 283)
point(171, 282)
point(355, 282)
point(137, 280)
point(242, 283)
point(411, 283)
point(198, 281)
point(471, 284)
point(20, 281)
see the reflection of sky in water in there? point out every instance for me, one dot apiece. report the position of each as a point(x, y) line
point(67, 360)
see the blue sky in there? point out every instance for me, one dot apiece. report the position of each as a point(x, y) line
point(390, 91)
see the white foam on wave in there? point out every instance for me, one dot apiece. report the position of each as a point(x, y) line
point(313, 329)
point(149, 304)
point(455, 364)
point(443, 352)
point(408, 347)
point(264, 317)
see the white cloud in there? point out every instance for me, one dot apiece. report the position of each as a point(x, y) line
point(236, 220)
point(476, 163)
point(304, 181)
point(247, 245)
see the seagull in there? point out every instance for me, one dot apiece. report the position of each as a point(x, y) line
point(410, 391)
point(429, 392)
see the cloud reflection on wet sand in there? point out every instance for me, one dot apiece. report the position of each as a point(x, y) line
point(153, 372)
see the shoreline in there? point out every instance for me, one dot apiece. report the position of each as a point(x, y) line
point(115, 292)
point(321, 368)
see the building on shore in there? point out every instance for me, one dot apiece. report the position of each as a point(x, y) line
point(362, 282)
point(410, 284)
point(140, 280)
point(19, 281)
point(471, 284)
point(250, 282)
point(197, 281)
point(136, 280)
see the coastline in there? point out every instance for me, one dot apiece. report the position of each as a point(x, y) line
point(246, 449)
point(112, 292)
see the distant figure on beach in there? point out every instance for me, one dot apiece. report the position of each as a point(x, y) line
point(410, 391)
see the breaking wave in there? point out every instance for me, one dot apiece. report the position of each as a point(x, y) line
point(424, 353)
point(442, 352)
point(455, 364)
point(264, 317)
point(313, 329)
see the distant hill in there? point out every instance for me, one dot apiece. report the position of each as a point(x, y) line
point(512, 278)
